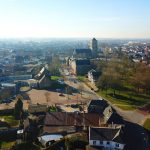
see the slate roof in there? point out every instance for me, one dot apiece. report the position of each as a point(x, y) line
point(97, 106)
point(71, 119)
point(99, 102)
point(83, 62)
point(105, 134)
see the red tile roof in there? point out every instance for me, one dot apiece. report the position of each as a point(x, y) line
point(71, 119)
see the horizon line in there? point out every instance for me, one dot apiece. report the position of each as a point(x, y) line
point(122, 38)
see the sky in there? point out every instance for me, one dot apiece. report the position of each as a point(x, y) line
point(75, 18)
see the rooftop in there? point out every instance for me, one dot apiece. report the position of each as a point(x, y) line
point(106, 133)
point(72, 119)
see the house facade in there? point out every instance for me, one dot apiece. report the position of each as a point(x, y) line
point(80, 66)
point(107, 145)
point(107, 138)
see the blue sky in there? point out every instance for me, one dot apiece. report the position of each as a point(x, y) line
point(75, 18)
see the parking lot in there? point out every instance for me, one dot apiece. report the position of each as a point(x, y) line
point(52, 98)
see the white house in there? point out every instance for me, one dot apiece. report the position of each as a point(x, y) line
point(107, 138)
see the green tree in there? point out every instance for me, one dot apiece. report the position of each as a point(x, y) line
point(140, 78)
point(18, 110)
point(111, 77)
point(54, 66)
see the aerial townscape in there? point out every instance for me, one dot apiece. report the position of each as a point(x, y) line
point(75, 99)
point(74, 76)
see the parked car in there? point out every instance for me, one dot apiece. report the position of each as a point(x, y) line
point(61, 94)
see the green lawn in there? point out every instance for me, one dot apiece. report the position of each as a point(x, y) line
point(147, 124)
point(53, 109)
point(56, 78)
point(125, 99)
point(10, 120)
point(81, 78)
point(6, 145)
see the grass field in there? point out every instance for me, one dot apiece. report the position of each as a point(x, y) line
point(55, 78)
point(125, 99)
point(81, 78)
point(147, 124)
point(10, 120)
point(6, 145)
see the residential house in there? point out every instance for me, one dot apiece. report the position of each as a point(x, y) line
point(72, 119)
point(43, 78)
point(80, 66)
point(107, 138)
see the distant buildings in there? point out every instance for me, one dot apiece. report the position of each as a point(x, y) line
point(80, 61)
point(82, 53)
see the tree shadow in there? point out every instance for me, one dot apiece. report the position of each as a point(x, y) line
point(129, 100)
point(135, 137)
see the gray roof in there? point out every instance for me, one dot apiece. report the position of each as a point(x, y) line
point(83, 62)
point(97, 106)
point(106, 134)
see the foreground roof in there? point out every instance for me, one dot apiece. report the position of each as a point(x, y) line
point(106, 133)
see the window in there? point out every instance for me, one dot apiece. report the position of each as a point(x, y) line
point(101, 142)
point(94, 142)
point(108, 142)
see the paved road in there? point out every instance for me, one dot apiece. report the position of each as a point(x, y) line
point(87, 93)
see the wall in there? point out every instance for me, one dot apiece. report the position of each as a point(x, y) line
point(111, 145)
